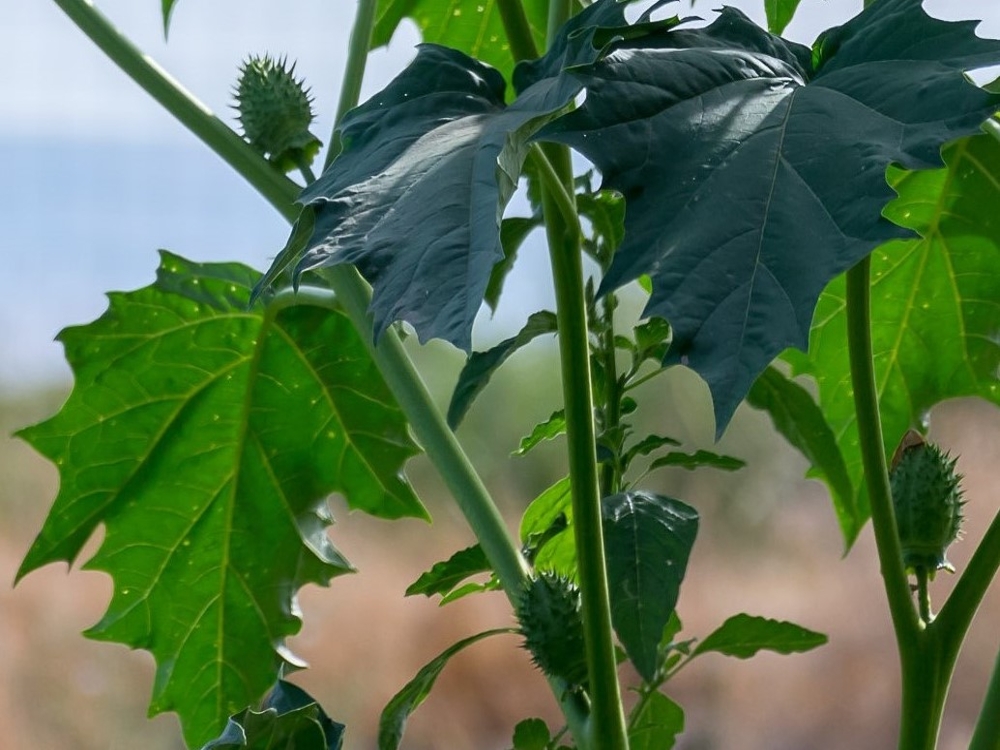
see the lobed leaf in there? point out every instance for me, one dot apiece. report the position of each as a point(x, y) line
point(744, 635)
point(551, 428)
point(753, 168)
point(935, 310)
point(647, 539)
point(444, 577)
point(699, 458)
point(205, 437)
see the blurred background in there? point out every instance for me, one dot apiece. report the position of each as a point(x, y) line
point(97, 178)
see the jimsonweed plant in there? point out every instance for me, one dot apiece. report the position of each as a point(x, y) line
point(791, 212)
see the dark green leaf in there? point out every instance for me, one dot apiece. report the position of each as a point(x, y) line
point(935, 309)
point(551, 428)
point(167, 7)
point(406, 701)
point(743, 636)
point(554, 507)
point(481, 365)
point(648, 539)
point(531, 734)
point(698, 459)
point(289, 719)
point(205, 437)
point(779, 13)
point(797, 416)
point(755, 175)
point(656, 723)
point(473, 26)
point(445, 576)
point(647, 445)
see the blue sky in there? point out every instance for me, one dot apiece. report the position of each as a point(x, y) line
point(96, 178)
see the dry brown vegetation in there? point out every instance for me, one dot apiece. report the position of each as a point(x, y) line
point(769, 546)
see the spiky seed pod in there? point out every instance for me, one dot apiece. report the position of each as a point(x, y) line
point(927, 498)
point(275, 112)
point(549, 615)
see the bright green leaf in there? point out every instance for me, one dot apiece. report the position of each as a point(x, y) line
point(444, 576)
point(481, 366)
point(551, 428)
point(935, 308)
point(797, 416)
point(754, 174)
point(406, 701)
point(779, 14)
point(647, 539)
point(205, 437)
point(553, 507)
point(473, 26)
point(531, 734)
point(655, 724)
point(744, 635)
point(289, 719)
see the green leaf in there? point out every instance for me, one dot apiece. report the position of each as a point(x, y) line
point(167, 7)
point(754, 175)
point(648, 539)
point(779, 14)
point(935, 309)
point(698, 459)
point(415, 198)
point(473, 26)
point(744, 635)
point(205, 437)
point(647, 445)
point(481, 366)
point(289, 719)
point(406, 701)
point(513, 232)
point(551, 428)
point(443, 577)
point(651, 338)
point(655, 724)
point(553, 507)
point(797, 416)
point(531, 734)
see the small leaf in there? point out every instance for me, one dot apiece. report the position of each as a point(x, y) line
point(289, 719)
point(513, 232)
point(744, 635)
point(481, 366)
point(167, 8)
point(648, 445)
point(651, 338)
point(798, 417)
point(531, 734)
point(551, 428)
point(443, 577)
point(779, 13)
point(648, 539)
point(406, 701)
point(698, 459)
point(655, 724)
point(554, 507)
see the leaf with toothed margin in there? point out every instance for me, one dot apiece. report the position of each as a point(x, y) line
point(416, 196)
point(753, 169)
point(205, 436)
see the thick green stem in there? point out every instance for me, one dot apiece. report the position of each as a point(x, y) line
point(607, 717)
point(354, 72)
point(987, 733)
point(925, 679)
point(518, 30)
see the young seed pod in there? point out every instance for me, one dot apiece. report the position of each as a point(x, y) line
point(275, 112)
point(549, 615)
point(927, 498)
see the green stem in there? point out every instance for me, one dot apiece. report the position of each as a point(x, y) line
point(897, 588)
point(518, 30)
point(956, 614)
point(987, 733)
point(608, 727)
point(925, 680)
point(923, 596)
point(354, 72)
point(195, 116)
point(611, 409)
